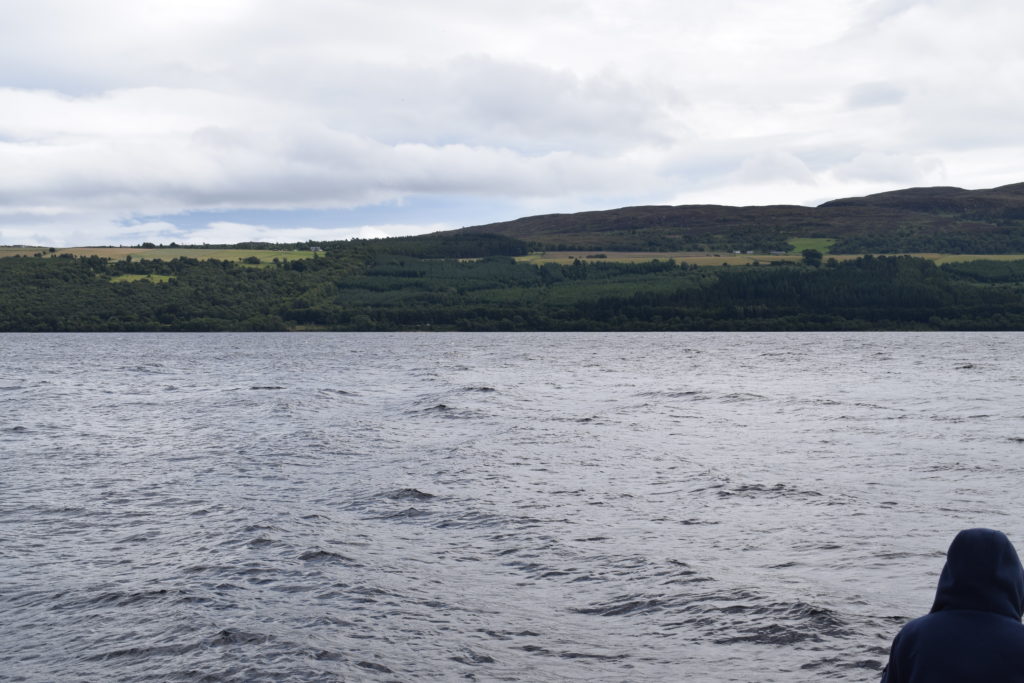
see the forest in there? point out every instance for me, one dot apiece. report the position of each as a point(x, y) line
point(361, 287)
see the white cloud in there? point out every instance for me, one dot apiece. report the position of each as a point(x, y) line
point(112, 111)
point(898, 169)
point(774, 165)
point(876, 94)
point(227, 232)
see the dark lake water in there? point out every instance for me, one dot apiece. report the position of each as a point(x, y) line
point(492, 507)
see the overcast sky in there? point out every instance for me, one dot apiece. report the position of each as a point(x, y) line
point(215, 121)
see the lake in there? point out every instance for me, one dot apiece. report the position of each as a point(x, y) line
point(493, 507)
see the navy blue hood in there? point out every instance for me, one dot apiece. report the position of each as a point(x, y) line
point(982, 573)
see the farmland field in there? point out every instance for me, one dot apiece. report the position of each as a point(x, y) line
point(561, 257)
point(720, 258)
point(152, 277)
point(822, 244)
point(161, 253)
point(697, 258)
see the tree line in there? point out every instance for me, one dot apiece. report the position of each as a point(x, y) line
point(359, 287)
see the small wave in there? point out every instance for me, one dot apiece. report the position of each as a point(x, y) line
point(568, 654)
point(540, 571)
point(144, 653)
point(777, 490)
point(483, 390)
point(693, 394)
point(509, 635)
point(740, 397)
point(680, 572)
point(370, 593)
point(17, 429)
point(325, 556)
point(475, 519)
point(407, 494)
point(471, 657)
point(871, 664)
point(769, 634)
point(589, 419)
point(261, 542)
point(875, 406)
point(448, 412)
point(956, 467)
point(407, 513)
point(146, 369)
point(787, 624)
point(742, 616)
point(123, 598)
point(233, 636)
point(625, 605)
point(265, 388)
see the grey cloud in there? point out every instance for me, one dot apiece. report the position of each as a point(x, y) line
point(880, 11)
point(774, 165)
point(876, 94)
point(529, 104)
point(481, 101)
point(534, 103)
point(898, 169)
point(966, 118)
point(295, 164)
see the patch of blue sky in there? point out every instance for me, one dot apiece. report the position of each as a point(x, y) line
point(428, 211)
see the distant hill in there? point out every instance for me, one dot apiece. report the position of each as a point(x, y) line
point(999, 203)
point(926, 219)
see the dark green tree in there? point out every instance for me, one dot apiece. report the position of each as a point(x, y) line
point(812, 257)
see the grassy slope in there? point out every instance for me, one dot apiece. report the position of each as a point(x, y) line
point(163, 254)
point(562, 257)
point(152, 277)
point(939, 214)
point(717, 259)
point(822, 244)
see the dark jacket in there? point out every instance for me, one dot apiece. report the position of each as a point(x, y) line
point(974, 630)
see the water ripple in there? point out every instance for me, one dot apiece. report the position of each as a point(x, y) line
point(639, 507)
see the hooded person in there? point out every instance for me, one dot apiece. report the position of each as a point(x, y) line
point(974, 631)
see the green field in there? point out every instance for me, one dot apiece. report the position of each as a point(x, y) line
point(962, 258)
point(161, 253)
point(822, 244)
point(152, 277)
point(699, 258)
point(721, 258)
point(560, 257)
